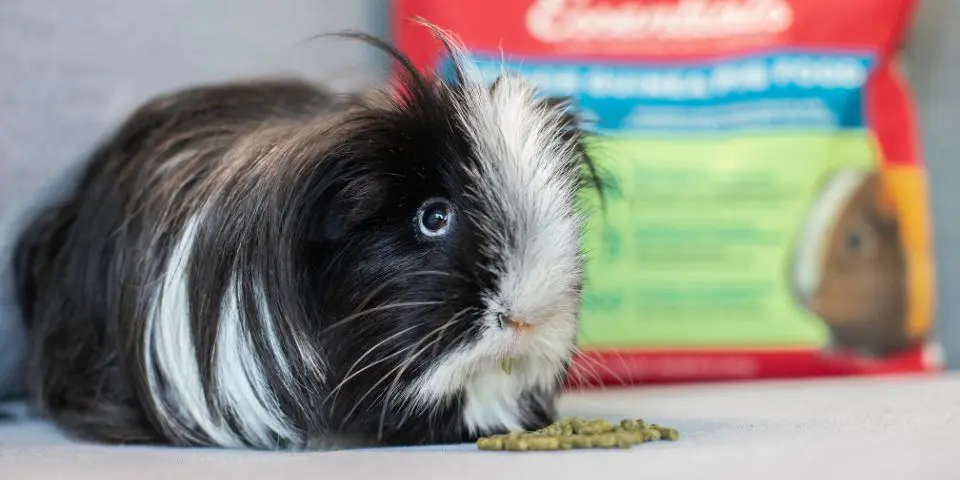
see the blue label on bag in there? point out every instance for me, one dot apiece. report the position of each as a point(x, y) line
point(809, 91)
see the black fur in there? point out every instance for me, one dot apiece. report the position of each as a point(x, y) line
point(309, 200)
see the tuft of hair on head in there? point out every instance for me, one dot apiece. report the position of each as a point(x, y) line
point(465, 74)
point(460, 81)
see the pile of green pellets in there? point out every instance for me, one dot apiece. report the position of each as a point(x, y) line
point(571, 433)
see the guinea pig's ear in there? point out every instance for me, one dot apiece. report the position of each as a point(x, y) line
point(573, 126)
point(563, 106)
point(882, 205)
point(343, 207)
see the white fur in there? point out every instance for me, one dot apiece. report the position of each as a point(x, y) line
point(169, 354)
point(816, 229)
point(240, 379)
point(519, 178)
point(492, 396)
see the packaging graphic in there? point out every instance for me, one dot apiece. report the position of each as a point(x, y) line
point(767, 206)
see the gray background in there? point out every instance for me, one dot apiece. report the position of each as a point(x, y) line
point(933, 64)
point(70, 69)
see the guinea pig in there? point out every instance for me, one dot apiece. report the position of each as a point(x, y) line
point(850, 267)
point(269, 265)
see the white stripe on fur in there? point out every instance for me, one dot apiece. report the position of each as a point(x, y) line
point(816, 229)
point(169, 354)
point(241, 385)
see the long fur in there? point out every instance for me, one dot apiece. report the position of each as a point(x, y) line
point(241, 267)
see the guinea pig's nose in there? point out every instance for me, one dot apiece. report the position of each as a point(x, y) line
point(513, 322)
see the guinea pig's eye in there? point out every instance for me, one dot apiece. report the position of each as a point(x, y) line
point(854, 242)
point(435, 217)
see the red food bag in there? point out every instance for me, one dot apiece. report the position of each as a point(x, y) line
point(767, 207)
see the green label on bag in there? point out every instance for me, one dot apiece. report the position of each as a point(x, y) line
point(695, 244)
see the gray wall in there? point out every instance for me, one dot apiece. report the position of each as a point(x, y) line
point(933, 61)
point(70, 69)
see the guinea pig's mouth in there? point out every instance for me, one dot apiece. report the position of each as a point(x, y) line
point(528, 352)
point(511, 344)
point(519, 337)
point(499, 344)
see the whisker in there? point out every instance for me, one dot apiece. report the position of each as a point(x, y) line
point(379, 308)
point(351, 374)
point(600, 364)
point(396, 379)
point(387, 375)
point(408, 410)
point(587, 375)
point(584, 368)
point(581, 385)
point(391, 281)
point(590, 367)
point(382, 396)
point(363, 397)
point(623, 363)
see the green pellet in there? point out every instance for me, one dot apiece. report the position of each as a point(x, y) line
point(590, 429)
point(543, 443)
point(596, 427)
point(490, 443)
point(667, 433)
point(581, 441)
point(577, 433)
point(630, 425)
point(576, 424)
point(605, 440)
point(555, 429)
point(651, 435)
point(625, 441)
point(515, 444)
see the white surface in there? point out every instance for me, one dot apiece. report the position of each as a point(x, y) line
point(896, 428)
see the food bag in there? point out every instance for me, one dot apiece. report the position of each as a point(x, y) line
point(766, 207)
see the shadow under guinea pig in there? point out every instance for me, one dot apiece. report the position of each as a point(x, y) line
point(849, 266)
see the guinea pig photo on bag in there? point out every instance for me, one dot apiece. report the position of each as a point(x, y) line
point(849, 266)
point(267, 264)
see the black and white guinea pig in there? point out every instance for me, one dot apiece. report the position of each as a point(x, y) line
point(268, 265)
